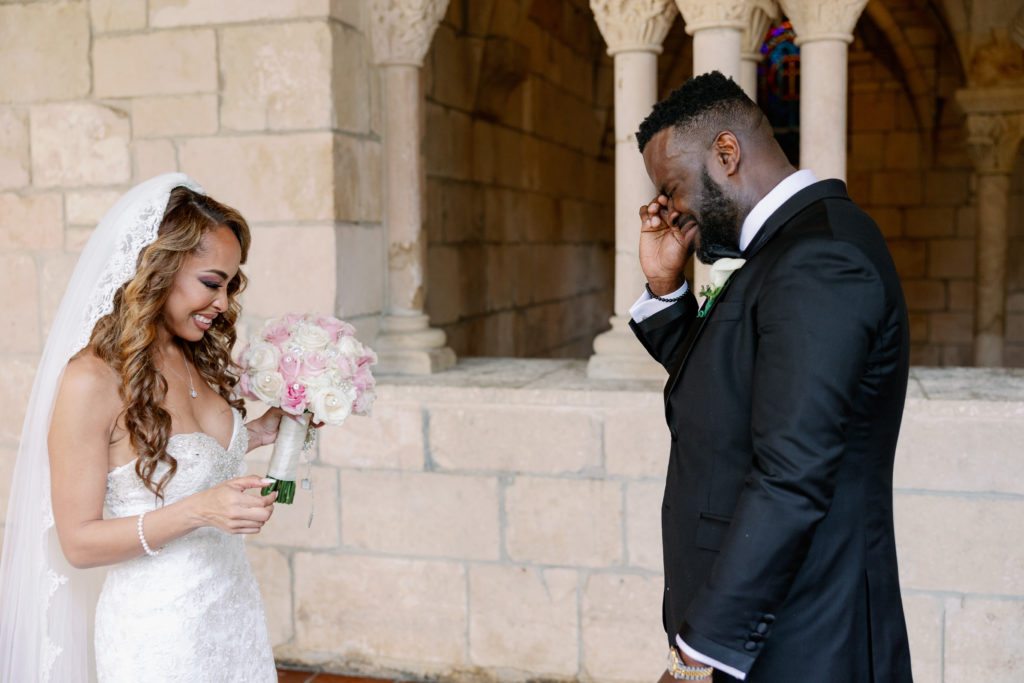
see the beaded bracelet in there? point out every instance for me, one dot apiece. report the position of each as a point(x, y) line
point(142, 538)
point(662, 298)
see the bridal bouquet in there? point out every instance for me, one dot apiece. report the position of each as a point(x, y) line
point(310, 367)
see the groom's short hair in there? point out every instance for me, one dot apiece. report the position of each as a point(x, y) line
point(705, 105)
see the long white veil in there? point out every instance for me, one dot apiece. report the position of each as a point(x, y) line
point(47, 606)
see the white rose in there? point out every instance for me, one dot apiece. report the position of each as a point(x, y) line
point(311, 337)
point(722, 270)
point(350, 347)
point(334, 404)
point(266, 385)
point(263, 356)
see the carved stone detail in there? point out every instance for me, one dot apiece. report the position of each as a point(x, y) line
point(993, 141)
point(999, 61)
point(401, 30)
point(823, 19)
point(633, 24)
point(704, 14)
point(760, 15)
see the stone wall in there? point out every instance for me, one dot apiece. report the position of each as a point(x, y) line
point(909, 169)
point(502, 521)
point(913, 176)
point(519, 184)
point(248, 97)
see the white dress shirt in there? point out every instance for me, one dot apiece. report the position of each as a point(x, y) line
point(646, 306)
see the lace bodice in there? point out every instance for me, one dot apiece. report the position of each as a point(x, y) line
point(193, 612)
point(202, 463)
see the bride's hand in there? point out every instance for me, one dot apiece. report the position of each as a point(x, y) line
point(263, 430)
point(228, 508)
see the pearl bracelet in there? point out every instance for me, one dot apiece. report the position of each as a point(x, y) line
point(142, 538)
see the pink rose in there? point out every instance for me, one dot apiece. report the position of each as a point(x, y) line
point(294, 399)
point(277, 334)
point(292, 318)
point(368, 358)
point(335, 327)
point(314, 363)
point(290, 363)
point(363, 379)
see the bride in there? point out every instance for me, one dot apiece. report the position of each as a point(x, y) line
point(133, 410)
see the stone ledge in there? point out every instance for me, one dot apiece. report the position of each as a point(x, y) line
point(517, 380)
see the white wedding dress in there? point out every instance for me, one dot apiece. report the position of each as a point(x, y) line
point(193, 612)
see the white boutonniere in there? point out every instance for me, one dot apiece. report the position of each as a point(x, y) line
point(721, 271)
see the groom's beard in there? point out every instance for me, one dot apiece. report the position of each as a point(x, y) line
point(719, 223)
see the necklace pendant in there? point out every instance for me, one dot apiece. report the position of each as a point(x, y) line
point(193, 393)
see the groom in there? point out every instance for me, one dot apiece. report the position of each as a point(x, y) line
point(784, 401)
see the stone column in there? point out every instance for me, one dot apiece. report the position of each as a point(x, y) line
point(717, 29)
point(995, 127)
point(633, 30)
point(824, 30)
point(401, 31)
point(760, 15)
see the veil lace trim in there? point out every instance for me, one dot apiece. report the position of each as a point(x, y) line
point(47, 606)
point(120, 268)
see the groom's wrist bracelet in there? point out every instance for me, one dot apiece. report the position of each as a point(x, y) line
point(682, 672)
point(647, 286)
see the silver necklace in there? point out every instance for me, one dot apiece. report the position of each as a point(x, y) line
point(191, 386)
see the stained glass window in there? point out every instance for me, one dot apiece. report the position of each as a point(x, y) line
point(778, 87)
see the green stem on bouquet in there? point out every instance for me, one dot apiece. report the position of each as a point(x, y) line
point(285, 490)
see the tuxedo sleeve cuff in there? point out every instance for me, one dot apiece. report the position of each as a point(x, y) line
point(736, 663)
point(710, 661)
point(647, 305)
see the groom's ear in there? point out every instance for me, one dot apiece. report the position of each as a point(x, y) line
point(726, 153)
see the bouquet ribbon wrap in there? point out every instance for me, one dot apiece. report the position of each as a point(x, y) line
point(284, 462)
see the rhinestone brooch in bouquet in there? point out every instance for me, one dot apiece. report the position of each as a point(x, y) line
point(313, 368)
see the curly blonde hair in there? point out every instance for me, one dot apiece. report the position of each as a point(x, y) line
point(125, 339)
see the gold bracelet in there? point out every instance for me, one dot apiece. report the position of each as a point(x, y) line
point(682, 672)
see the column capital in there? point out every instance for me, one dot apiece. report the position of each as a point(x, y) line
point(995, 127)
point(401, 30)
point(993, 140)
point(823, 19)
point(759, 16)
point(705, 14)
point(633, 24)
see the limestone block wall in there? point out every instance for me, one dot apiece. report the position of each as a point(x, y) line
point(270, 105)
point(910, 170)
point(520, 186)
point(501, 521)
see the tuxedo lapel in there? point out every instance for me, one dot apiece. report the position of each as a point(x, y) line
point(691, 340)
point(791, 207)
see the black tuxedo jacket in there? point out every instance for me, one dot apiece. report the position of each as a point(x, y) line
point(784, 405)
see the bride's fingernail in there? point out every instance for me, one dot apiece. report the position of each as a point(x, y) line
point(266, 480)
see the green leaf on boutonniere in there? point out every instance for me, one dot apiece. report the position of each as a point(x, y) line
point(709, 292)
